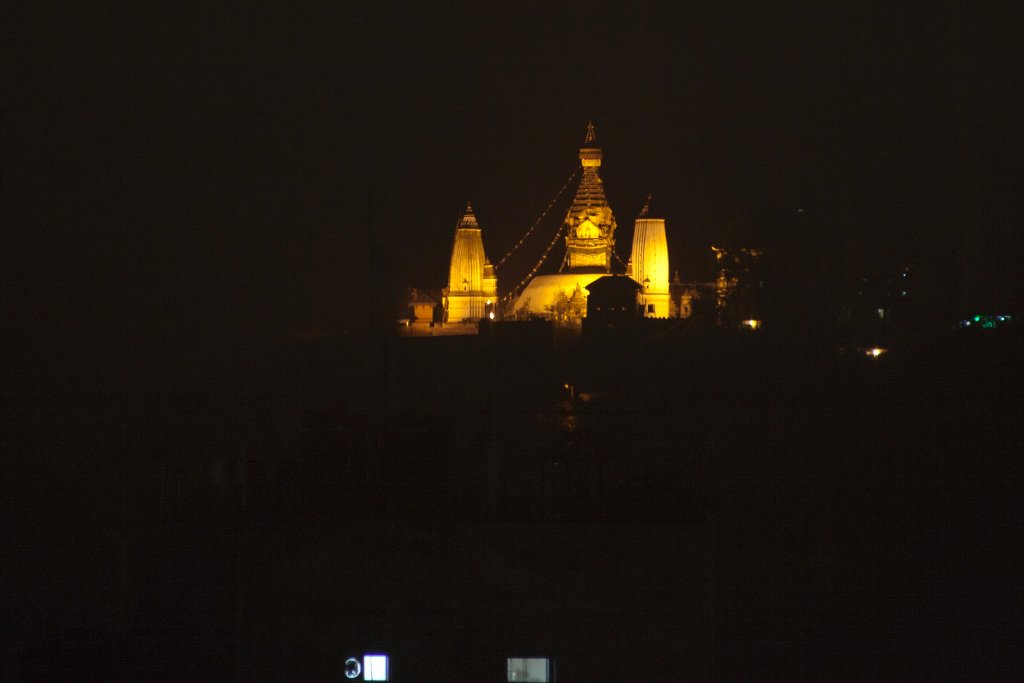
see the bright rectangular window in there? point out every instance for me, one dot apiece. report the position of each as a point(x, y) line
point(375, 668)
point(529, 669)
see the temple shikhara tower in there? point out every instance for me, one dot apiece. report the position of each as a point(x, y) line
point(648, 262)
point(472, 285)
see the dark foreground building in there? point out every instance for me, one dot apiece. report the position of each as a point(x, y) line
point(693, 507)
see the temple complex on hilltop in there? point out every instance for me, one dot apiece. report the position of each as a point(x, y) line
point(589, 234)
point(589, 229)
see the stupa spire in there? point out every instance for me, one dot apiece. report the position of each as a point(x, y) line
point(589, 225)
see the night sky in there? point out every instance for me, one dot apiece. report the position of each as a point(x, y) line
point(217, 172)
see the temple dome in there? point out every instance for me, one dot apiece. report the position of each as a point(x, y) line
point(543, 291)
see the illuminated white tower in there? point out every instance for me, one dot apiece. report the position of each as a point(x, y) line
point(648, 263)
point(472, 284)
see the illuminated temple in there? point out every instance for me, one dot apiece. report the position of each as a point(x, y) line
point(589, 238)
point(589, 229)
point(472, 285)
point(648, 262)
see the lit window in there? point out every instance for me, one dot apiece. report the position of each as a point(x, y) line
point(375, 668)
point(529, 669)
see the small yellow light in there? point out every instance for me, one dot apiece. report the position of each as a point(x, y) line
point(752, 324)
point(875, 352)
point(491, 315)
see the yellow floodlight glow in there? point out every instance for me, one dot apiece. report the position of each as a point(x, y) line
point(875, 352)
point(752, 324)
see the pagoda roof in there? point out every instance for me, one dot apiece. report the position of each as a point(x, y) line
point(419, 297)
point(613, 282)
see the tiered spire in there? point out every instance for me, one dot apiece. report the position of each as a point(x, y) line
point(591, 189)
point(590, 224)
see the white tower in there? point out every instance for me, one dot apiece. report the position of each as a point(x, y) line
point(648, 263)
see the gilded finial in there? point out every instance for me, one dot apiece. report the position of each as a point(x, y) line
point(468, 218)
point(647, 205)
point(591, 136)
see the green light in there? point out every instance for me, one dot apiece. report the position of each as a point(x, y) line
point(988, 322)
